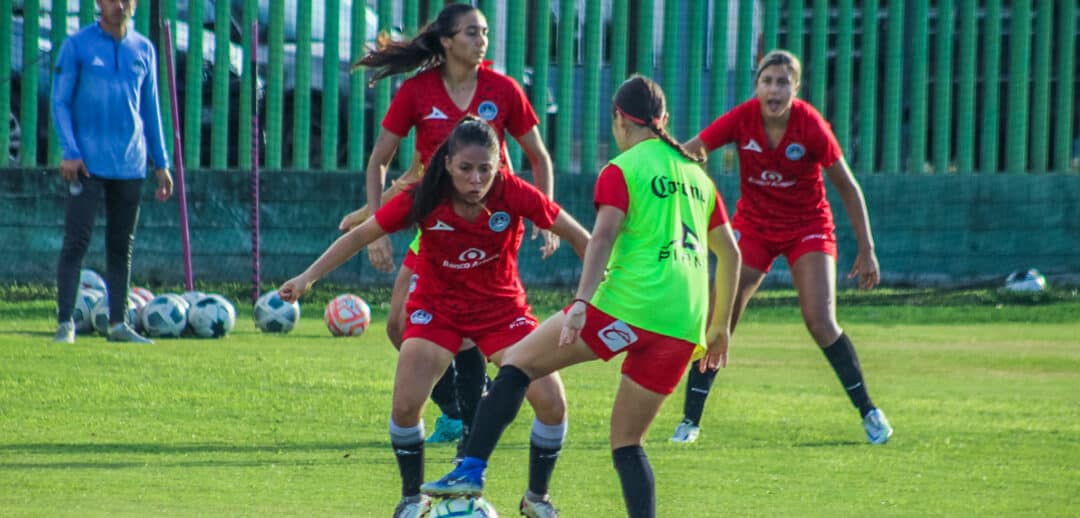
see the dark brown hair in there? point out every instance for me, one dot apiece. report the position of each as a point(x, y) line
point(436, 185)
point(783, 58)
point(642, 102)
point(423, 51)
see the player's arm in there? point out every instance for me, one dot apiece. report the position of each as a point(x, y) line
point(543, 178)
point(866, 263)
point(386, 146)
point(725, 280)
point(568, 228)
point(609, 221)
point(340, 251)
point(696, 146)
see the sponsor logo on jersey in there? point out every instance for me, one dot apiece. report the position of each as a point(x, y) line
point(522, 321)
point(470, 258)
point(664, 187)
point(436, 114)
point(487, 110)
point(811, 237)
point(420, 317)
point(412, 282)
point(687, 249)
point(617, 336)
point(794, 151)
point(752, 146)
point(499, 221)
point(97, 62)
point(771, 179)
point(440, 225)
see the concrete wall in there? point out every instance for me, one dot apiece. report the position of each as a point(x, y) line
point(930, 230)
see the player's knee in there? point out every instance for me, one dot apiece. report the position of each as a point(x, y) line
point(823, 330)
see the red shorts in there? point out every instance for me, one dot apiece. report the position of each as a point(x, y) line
point(759, 252)
point(654, 361)
point(490, 337)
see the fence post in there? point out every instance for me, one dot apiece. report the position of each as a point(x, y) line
point(894, 79)
point(696, 70)
point(564, 153)
point(219, 131)
point(274, 79)
point(541, 60)
point(868, 87)
point(1066, 93)
point(916, 86)
point(246, 111)
point(328, 133)
point(991, 69)
point(590, 113)
point(943, 86)
point(357, 87)
point(718, 74)
point(1040, 95)
point(819, 52)
point(965, 100)
point(301, 102)
point(620, 14)
point(1016, 147)
point(193, 83)
point(28, 115)
point(841, 121)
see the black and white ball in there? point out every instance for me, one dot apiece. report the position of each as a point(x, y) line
point(1030, 280)
point(89, 279)
point(464, 507)
point(100, 313)
point(85, 301)
point(273, 315)
point(165, 316)
point(212, 316)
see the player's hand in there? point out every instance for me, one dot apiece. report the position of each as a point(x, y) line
point(165, 184)
point(551, 241)
point(293, 288)
point(71, 170)
point(573, 324)
point(866, 269)
point(380, 254)
point(717, 354)
point(354, 218)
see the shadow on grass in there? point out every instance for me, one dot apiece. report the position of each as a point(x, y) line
point(829, 444)
point(106, 448)
point(48, 334)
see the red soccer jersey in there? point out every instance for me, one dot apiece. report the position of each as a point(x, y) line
point(468, 270)
point(782, 192)
point(423, 102)
point(611, 190)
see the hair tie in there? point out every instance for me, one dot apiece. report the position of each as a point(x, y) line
point(631, 118)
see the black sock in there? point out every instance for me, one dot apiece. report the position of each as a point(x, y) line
point(497, 410)
point(443, 394)
point(471, 369)
point(698, 386)
point(845, 362)
point(410, 459)
point(638, 484)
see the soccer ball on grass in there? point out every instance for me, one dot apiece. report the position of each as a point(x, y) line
point(475, 507)
point(347, 315)
point(1030, 280)
point(273, 315)
point(212, 316)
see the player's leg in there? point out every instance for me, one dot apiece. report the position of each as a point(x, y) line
point(634, 410)
point(79, 215)
point(814, 275)
point(399, 294)
point(121, 218)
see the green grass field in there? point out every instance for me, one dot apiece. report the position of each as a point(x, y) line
point(982, 387)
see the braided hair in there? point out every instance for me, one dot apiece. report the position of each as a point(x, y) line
point(423, 51)
point(641, 101)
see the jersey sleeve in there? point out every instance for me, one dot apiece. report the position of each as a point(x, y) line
point(394, 214)
point(529, 202)
point(522, 116)
point(720, 131)
point(400, 116)
point(65, 77)
point(611, 189)
point(827, 148)
point(719, 214)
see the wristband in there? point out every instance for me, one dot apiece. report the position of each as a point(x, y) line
point(583, 301)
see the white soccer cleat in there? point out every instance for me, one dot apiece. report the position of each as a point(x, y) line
point(878, 429)
point(416, 506)
point(124, 333)
point(537, 508)
point(687, 432)
point(65, 333)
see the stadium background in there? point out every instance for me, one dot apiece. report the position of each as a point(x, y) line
point(959, 119)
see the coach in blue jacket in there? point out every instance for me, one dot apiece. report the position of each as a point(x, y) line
point(105, 106)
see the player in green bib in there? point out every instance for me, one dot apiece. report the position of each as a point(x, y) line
point(644, 290)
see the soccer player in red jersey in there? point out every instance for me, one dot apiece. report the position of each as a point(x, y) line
point(471, 214)
point(643, 291)
point(454, 81)
point(783, 145)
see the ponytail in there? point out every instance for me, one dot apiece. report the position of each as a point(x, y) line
point(422, 52)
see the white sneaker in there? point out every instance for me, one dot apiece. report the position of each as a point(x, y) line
point(416, 506)
point(686, 432)
point(65, 333)
point(878, 429)
point(538, 508)
point(124, 333)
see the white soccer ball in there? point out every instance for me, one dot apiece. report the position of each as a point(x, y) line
point(165, 316)
point(347, 315)
point(143, 293)
point(191, 297)
point(273, 315)
point(213, 316)
point(475, 507)
point(1030, 280)
point(84, 307)
point(89, 279)
point(99, 315)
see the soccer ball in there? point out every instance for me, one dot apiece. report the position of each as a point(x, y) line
point(213, 316)
point(99, 315)
point(191, 297)
point(347, 315)
point(90, 279)
point(464, 507)
point(143, 293)
point(273, 315)
point(165, 316)
point(84, 307)
point(1030, 280)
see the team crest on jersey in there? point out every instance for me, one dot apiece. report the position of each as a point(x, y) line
point(487, 110)
point(420, 317)
point(617, 336)
point(795, 151)
point(499, 221)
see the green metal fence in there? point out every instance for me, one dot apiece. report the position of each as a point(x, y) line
point(916, 87)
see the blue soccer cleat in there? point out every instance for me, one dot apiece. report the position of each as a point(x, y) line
point(878, 429)
point(466, 480)
point(446, 430)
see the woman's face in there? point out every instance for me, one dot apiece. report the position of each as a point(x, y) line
point(469, 42)
point(472, 170)
point(776, 88)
